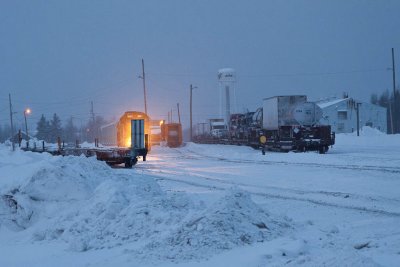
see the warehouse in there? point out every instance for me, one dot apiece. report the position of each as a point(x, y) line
point(341, 114)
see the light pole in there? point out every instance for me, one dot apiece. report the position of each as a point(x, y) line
point(191, 119)
point(27, 111)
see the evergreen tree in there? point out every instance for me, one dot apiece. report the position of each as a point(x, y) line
point(55, 128)
point(374, 99)
point(392, 103)
point(1, 134)
point(5, 133)
point(42, 129)
point(93, 128)
point(70, 131)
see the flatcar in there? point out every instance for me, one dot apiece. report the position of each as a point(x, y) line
point(284, 123)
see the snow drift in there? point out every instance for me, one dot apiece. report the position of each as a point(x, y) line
point(90, 206)
point(234, 220)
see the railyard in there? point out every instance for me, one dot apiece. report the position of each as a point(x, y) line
point(342, 203)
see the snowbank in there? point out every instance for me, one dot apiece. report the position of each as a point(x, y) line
point(89, 206)
point(234, 220)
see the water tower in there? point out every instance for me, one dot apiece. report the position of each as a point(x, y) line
point(227, 93)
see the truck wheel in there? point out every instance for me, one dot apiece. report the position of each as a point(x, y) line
point(322, 150)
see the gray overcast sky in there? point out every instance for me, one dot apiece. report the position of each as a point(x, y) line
point(57, 56)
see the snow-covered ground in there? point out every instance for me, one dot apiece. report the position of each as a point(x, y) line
point(205, 205)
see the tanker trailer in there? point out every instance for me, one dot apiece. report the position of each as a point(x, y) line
point(290, 123)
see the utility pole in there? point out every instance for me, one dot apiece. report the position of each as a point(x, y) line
point(394, 128)
point(191, 118)
point(179, 114)
point(391, 115)
point(94, 129)
point(144, 87)
point(358, 118)
point(12, 125)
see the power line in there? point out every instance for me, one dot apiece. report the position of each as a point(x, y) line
point(276, 74)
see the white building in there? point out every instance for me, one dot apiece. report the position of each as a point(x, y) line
point(341, 114)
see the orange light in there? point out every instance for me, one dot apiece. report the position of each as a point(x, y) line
point(128, 142)
point(161, 122)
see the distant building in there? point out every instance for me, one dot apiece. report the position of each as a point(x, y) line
point(341, 114)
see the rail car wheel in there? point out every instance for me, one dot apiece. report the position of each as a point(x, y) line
point(130, 162)
point(301, 149)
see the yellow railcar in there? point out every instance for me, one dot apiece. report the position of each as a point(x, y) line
point(124, 128)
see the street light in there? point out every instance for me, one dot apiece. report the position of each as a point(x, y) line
point(191, 121)
point(27, 111)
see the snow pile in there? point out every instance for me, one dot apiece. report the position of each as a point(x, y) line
point(39, 192)
point(68, 178)
point(88, 205)
point(234, 220)
point(120, 211)
point(367, 131)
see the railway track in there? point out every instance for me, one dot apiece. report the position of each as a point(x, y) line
point(361, 203)
point(283, 196)
point(394, 170)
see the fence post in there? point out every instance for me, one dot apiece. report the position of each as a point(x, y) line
point(59, 144)
point(19, 137)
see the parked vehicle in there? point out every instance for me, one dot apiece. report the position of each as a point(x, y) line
point(218, 128)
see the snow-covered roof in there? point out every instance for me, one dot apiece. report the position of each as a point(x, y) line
point(323, 104)
point(109, 124)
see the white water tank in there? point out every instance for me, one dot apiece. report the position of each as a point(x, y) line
point(227, 93)
point(226, 75)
